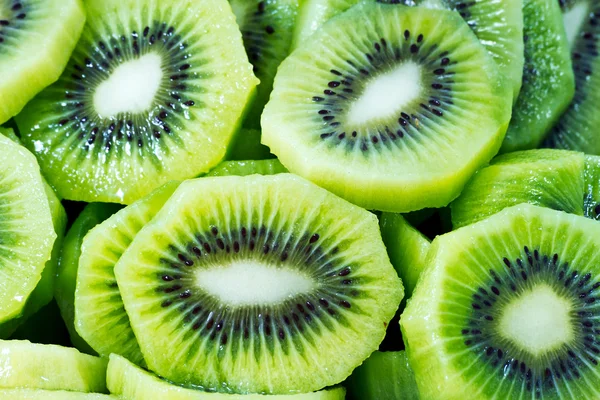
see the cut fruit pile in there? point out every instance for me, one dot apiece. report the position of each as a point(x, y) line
point(299, 199)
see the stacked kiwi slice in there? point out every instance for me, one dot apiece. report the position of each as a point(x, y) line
point(299, 200)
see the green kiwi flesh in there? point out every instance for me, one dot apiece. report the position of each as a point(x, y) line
point(546, 177)
point(35, 394)
point(267, 27)
point(258, 284)
point(406, 247)
point(246, 146)
point(100, 317)
point(578, 127)
point(548, 80)
point(66, 277)
point(133, 383)
point(44, 291)
point(383, 376)
point(497, 23)
point(591, 189)
point(26, 229)
point(325, 123)
point(249, 167)
point(27, 365)
point(141, 101)
point(508, 309)
point(36, 40)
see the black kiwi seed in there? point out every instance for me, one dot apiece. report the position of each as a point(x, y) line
point(14, 16)
point(571, 359)
point(347, 84)
point(283, 321)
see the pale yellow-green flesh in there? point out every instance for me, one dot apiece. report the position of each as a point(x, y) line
point(133, 383)
point(49, 367)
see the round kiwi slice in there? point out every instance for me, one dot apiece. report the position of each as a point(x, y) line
point(577, 129)
point(37, 366)
point(153, 92)
point(34, 394)
point(258, 284)
point(548, 81)
point(395, 114)
point(100, 317)
point(267, 27)
point(44, 291)
point(26, 229)
point(133, 383)
point(66, 276)
point(497, 23)
point(36, 40)
point(546, 177)
point(508, 309)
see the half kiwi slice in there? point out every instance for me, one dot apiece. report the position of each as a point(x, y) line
point(383, 376)
point(258, 284)
point(36, 40)
point(548, 80)
point(34, 394)
point(508, 308)
point(133, 383)
point(37, 366)
point(267, 27)
point(26, 228)
point(66, 277)
point(395, 114)
point(153, 92)
point(100, 316)
point(546, 177)
point(578, 129)
point(250, 167)
point(497, 23)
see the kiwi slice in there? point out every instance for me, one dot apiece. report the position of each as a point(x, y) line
point(153, 92)
point(591, 189)
point(406, 247)
point(577, 129)
point(133, 383)
point(250, 167)
point(497, 23)
point(26, 229)
point(391, 122)
point(66, 277)
point(383, 376)
point(246, 146)
point(100, 317)
point(258, 284)
point(508, 309)
point(36, 40)
point(37, 366)
point(35, 394)
point(267, 27)
point(545, 177)
point(10, 133)
point(44, 291)
point(548, 80)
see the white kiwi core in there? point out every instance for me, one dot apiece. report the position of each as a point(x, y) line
point(537, 321)
point(131, 87)
point(387, 94)
point(573, 20)
point(247, 282)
